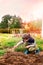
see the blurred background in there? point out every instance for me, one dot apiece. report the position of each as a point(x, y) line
point(18, 17)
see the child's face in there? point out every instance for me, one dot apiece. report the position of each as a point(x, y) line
point(25, 40)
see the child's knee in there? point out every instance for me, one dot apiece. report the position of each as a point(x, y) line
point(37, 51)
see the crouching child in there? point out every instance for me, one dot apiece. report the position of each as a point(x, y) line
point(30, 44)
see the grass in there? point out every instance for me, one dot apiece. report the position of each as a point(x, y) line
point(40, 43)
point(6, 41)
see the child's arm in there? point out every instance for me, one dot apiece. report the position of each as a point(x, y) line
point(12, 49)
point(32, 45)
point(19, 43)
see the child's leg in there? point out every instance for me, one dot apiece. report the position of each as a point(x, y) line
point(37, 51)
point(26, 52)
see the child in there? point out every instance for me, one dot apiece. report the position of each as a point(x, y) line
point(30, 44)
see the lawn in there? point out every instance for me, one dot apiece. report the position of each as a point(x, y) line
point(8, 40)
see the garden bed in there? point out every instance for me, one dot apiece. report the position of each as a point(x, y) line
point(19, 58)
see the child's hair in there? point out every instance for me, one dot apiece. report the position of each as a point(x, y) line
point(26, 36)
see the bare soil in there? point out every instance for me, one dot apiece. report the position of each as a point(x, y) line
point(19, 58)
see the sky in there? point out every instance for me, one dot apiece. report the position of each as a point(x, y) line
point(27, 9)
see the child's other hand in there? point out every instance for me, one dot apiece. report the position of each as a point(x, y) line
point(27, 46)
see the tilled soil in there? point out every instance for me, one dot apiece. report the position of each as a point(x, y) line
point(18, 58)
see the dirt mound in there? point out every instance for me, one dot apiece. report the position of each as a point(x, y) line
point(18, 58)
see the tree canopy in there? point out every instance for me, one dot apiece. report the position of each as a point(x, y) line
point(9, 21)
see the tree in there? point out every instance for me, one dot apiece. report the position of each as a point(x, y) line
point(16, 22)
point(11, 22)
point(4, 22)
point(0, 25)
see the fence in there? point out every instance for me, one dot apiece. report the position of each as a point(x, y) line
point(18, 30)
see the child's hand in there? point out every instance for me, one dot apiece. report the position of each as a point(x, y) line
point(13, 48)
point(27, 46)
